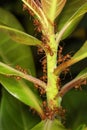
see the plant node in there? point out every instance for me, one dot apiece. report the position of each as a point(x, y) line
point(52, 113)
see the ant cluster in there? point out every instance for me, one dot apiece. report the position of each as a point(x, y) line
point(41, 51)
point(19, 68)
point(49, 113)
point(44, 69)
point(43, 62)
point(63, 58)
point(29, 11)
point(36, 22)
point(52, 113)
point(44, 39)
point(38, 2)
point(37, 25)
point(40, 90)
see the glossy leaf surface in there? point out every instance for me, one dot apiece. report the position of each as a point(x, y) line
point(21, 91)
point(15, 115)
point(20, 36)
point(70, 16)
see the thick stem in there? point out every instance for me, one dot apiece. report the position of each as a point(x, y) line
point(52, 88)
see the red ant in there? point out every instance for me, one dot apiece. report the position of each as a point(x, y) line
point(48, 49)
point(83, 82)
point(61, 57)
point(40, 51)
point(45, 39)
point(38, 3)
point(37, 24)
point(44, 68)
point(21, 69)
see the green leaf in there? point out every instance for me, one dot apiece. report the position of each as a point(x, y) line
point(82, 127)
point(70, 16)
point(15, 115)
point(75, 104)
point(83, 74)
point(20, 90)
point(20, 36)
point(5, 20)
point(16, 54)
point(80, 54)
point(38, 12)
point(49, 125)
point(9, 71)
point(52, 8)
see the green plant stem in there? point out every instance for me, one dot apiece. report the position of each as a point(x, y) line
point(69, 86)
point(52, 88)
point(66, 64)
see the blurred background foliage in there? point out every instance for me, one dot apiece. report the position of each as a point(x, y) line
point(75, 101)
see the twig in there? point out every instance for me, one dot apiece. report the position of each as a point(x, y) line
point(69, 86)
point(34, 80)
point(15, 72)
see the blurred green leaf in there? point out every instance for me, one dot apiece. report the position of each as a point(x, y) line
point(80, 54)
point(15, 31)
point(20, 36)
point(15, 115)
point(70, 16)
point(21, 91)
point(82, 127)
point(5, 20)
point(23, 54)
point(75, 104)
point(49, 125)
